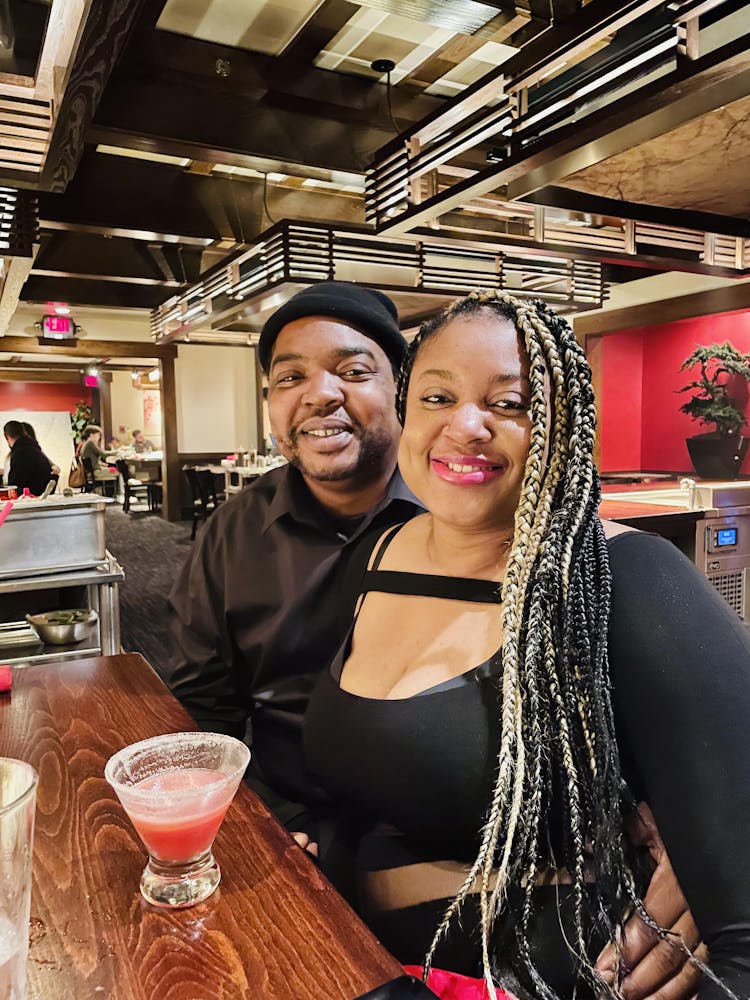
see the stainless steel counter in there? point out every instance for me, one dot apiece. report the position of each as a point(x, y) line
point(58, 534)
point(719, 540)
point(102, 594)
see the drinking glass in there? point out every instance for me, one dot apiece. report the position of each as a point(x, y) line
point(176, 790)
point(18, 782)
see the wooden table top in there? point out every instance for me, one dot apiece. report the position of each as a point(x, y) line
point(275, 928)
point(615, 509)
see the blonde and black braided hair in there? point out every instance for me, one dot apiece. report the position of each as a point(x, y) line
point(556, 726)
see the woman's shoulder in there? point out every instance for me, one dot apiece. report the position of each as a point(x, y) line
point(397, 538)
point(635, 554)
point(614, 528)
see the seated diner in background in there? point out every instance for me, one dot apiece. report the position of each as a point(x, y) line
point(141, 445)
point(30, 432)
point(91, 449)
point(522, 679)
point(28, 468)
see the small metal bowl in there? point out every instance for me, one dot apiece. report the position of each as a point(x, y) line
point(62, 634)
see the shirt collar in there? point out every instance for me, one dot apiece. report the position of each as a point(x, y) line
point(293, 497)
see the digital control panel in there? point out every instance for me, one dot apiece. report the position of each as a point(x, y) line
point(725, 538)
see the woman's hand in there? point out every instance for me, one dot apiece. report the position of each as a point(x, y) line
point(306, 844)
point(650, 967)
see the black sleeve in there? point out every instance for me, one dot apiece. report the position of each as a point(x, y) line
point(15, 473)
point(200, 672)
point(680, 663)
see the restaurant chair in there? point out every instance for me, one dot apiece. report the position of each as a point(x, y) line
point(207, 479)
point(132, 489)
point(94, 485)
point(204, 501)
point(156, 492)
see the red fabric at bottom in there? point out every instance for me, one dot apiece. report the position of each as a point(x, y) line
point(452, 986)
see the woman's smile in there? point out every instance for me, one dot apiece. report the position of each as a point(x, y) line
point(465, 470)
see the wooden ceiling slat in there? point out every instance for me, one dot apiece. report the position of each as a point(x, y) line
point(444, 60)
point(19, 155)
point(9, 139)
point(89, 348)
point(37, 109)
point(12, 165)
point(35, 126)
point(35, 135)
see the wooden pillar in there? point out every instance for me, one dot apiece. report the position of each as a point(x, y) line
point(104, 386)
point(170, 463)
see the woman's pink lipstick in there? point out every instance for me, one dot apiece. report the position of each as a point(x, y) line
point(473, 472)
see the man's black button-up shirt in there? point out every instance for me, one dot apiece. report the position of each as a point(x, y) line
point(255, 615)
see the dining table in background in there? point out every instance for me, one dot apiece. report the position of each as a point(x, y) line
point(146, 466)
point(274, 929)
point(244, 474)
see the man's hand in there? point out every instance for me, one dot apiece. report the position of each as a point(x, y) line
point(650, 967)
point(306, 844)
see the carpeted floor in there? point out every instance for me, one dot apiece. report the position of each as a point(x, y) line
point(151, 551)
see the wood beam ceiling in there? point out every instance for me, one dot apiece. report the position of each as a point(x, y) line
point(89, 348)
point(279, 109)
point(731, 298)
point(591, 204)
point(72, 366)
point(124, 194)
point(18, 375)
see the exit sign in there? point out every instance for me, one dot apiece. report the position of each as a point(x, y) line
point(58, 327)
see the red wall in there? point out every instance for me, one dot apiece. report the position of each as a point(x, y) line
point(621, 400)
point(48, 396)
point(639, 409)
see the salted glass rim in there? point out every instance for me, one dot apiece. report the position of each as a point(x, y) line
point(153, 742)
point(30, 788)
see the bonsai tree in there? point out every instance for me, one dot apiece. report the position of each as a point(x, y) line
point(80, 417)
point(711, 403)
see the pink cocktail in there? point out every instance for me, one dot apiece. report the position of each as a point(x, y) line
point(176, 790)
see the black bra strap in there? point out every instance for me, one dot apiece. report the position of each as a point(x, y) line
point(385, 541)
point(452, 588)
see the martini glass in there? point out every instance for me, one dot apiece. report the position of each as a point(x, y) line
point(176, 790)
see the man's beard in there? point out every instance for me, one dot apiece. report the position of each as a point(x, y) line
point(374, 446)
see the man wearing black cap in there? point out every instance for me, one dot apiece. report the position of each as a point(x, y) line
point(254, 614)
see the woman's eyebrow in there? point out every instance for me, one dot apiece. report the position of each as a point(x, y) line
point(508, 378)
point(436, 373)
point(504, 378)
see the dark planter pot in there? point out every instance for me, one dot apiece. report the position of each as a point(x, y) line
point(717, 456)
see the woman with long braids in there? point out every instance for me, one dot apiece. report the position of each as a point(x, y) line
point(494, 801)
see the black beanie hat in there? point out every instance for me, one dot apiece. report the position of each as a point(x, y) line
point(370, 311)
